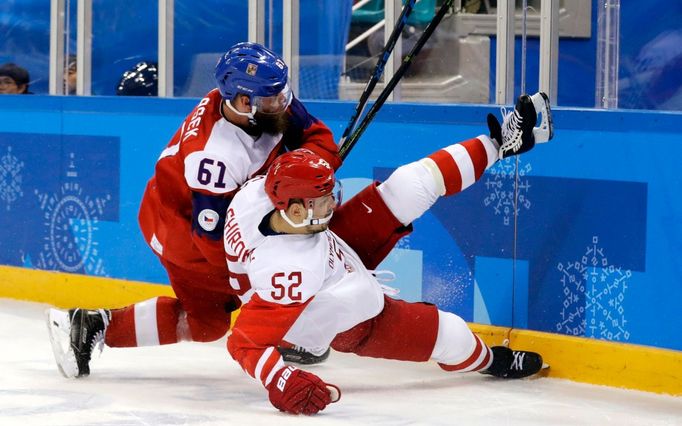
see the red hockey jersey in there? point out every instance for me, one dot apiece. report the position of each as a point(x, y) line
point(183, 208)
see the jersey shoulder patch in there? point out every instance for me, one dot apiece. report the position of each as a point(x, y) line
point(208, 219)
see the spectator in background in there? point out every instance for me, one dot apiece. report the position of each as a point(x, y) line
point(70, 76)
point(13, 80)
point(140, 80)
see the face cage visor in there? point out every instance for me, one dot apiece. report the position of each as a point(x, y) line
point(273, 104)
point(334, 199)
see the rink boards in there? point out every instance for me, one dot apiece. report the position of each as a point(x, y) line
point(591, 252)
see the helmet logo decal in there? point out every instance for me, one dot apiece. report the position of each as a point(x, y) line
point(251, 69)
point(322, 162)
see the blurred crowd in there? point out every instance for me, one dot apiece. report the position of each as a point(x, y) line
point(140, 80)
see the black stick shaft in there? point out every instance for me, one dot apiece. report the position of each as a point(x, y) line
point(407, 61)
point(378, 69)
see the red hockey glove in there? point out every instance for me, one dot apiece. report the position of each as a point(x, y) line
point(299, 392)
point(306, 150)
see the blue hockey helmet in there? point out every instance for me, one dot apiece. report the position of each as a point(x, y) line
point(253, 70)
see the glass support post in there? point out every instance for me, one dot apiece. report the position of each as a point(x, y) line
point(257, 21)
point(166, 47)
point(393, 9)
point(291, 40)
point(549, 48)
point(504, 58)
point(57, 20)
point(84, 48)
point(608, 54)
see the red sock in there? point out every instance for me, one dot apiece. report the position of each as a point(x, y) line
point(463, 163)
point(149, 323)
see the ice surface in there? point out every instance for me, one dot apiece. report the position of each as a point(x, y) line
point(199, 384)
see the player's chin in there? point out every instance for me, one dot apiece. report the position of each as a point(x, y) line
point(314, 229)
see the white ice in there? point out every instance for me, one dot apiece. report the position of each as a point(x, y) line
point(199, 384)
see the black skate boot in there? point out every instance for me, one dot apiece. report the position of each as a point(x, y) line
point(518, 133)
point(298, 355)
point(509, 364)
point(74, 336)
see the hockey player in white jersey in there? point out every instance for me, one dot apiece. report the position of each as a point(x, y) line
point(233, 134)
point(302, 265)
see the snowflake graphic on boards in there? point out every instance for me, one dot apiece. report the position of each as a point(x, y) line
point(10, 178)
point(72, 220)
point(499, 184)
point(594, 291)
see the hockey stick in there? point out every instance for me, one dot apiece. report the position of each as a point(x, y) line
point(378, 69)
point(348, 144)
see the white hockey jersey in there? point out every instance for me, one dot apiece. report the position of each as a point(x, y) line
point(301, 288)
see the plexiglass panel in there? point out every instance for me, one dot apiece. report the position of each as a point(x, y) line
point(453, 66)
point(340, 42)
point(322, 34)
point(204, 31)
point(650, 55)
point(125, 34)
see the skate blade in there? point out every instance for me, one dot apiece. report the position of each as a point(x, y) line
point(545, 132)
point(541, 373)
point(544, 371)
point(58, 328)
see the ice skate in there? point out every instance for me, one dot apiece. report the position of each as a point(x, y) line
point(544, 131)
point(299, 355)
point(518, 132)
point(74, 334)
point(510, 364)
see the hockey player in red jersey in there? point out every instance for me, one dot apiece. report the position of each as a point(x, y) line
point(303, 266)
point(232, 135)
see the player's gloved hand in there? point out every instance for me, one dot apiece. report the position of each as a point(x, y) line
point(299, 392)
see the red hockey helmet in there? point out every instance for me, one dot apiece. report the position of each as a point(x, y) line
point(298, 174)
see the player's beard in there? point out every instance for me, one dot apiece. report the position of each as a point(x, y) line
point(272, 124)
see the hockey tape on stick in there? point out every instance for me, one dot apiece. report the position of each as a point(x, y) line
point(348, 143)
point(378, 69)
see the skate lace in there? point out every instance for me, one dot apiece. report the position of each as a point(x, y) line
point(301, 350)
point(385, 276)
point(98, 338)
point(517, 364)
point(511, 131)
point(298, 349)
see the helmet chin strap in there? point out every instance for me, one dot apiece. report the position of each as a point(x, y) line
point(308, 220)
point(249, 115)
